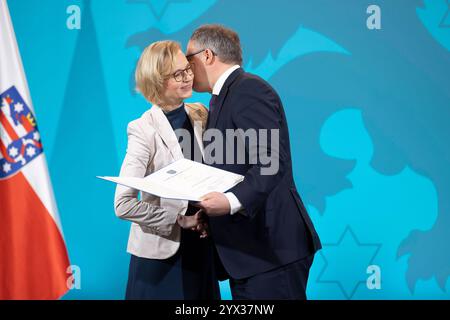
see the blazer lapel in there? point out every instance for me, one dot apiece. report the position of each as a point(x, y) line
point(165, 131)
point(214, 116)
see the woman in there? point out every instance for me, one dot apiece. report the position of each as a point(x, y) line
point(171, 257)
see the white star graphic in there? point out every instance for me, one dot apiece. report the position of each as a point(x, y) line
point(18, 107)
point(36, 136)
point(6, 167)
point(13, 151)
point(31, 151)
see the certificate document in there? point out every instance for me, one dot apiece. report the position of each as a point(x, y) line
point(183, 179)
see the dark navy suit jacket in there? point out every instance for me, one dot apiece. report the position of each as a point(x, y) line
point(276, 229)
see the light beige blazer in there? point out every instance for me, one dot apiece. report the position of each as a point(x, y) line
point(152, 144)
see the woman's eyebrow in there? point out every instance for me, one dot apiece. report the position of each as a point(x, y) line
point(187, 65)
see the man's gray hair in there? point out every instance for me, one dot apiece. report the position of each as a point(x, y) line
point(223, 41)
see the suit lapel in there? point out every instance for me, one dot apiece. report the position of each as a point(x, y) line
point(214, 116)
point(165, 131)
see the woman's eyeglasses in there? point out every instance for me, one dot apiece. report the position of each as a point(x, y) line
point(180, 75)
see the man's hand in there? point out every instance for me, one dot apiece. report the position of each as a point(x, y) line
point(214, 204)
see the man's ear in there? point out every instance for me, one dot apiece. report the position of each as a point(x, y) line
point(209, 55)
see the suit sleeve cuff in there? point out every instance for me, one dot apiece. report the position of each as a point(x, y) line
point(235, 204)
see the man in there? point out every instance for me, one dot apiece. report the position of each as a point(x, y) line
point(264, 237)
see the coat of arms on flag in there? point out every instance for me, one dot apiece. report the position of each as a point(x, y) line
point(19, 136)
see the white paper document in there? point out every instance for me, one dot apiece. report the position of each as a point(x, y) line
point(183, 179)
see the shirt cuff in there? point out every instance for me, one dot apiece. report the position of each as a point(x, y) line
point(235, 204)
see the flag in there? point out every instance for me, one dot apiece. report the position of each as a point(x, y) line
point(34, 262)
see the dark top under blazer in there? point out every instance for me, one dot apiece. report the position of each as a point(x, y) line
point(276, 229)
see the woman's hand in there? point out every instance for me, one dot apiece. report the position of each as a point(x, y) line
point(202, 228)
point(195, 222)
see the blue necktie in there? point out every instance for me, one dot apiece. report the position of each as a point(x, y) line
point(212, 103)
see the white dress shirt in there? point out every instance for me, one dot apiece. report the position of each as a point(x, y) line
point(235, 204)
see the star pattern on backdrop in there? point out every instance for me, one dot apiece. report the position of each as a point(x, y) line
point(340, 270)
point(445, 22)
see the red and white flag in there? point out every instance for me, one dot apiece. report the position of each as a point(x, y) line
point(33, 255)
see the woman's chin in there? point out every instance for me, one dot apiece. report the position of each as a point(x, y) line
point(186, 95)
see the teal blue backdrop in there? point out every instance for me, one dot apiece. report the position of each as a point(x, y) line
point(368, 114)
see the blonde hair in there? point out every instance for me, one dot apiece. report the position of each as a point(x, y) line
point(154, 65)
